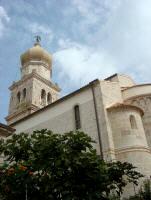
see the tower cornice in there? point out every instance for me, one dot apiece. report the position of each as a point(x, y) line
point(26, 111)
point(33, 62)
point(37, 76)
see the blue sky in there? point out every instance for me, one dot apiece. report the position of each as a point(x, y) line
point(88, 39)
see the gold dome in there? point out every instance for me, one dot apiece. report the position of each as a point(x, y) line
point(36, 53)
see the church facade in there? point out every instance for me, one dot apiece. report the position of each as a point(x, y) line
point(115, 112)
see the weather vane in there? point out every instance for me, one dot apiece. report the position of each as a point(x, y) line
point(38, 38)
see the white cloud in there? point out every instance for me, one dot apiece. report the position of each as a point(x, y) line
point(3, 14)
point(127, 37)
point(95, 12)
point(121, 44)
point(81, 64)
point(40, 29)
point(4, 18)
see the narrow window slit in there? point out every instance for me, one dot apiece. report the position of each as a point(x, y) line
point(77, 117)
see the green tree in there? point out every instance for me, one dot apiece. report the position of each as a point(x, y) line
point(48, 166)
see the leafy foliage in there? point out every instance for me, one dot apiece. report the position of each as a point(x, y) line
point(48, 166)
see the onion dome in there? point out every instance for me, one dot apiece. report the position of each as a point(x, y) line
point(36, 53)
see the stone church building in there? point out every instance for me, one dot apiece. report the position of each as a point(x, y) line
point(115, 112)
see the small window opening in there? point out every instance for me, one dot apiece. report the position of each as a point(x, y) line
point(49, 98)
point(133, 122)
point(18, 97)
point(24, 93)
point(43, 97)
point(77, 117)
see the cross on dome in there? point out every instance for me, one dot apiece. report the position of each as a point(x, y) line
point(38, 39)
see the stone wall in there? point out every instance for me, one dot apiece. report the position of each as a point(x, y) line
point(110, 94)
point(59, 117)
point(38, 68)
point(122, 79)
point(36, 93)
point(15, 105)
point(140, 96)
point(118, 140)
point(130, 142)
point(135, 91)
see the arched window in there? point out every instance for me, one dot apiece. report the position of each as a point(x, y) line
point(24, 93)
point(49, 98)
point(18, 97)
point(43, 97)
point(77, 117)
point(133, 122)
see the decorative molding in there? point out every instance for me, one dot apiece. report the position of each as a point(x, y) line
point(143, 101)
point(112, 151)
point(125, 106)
point(139, 85)
point(137, 96)
point(34, 75)
point(6, 130)
point(34, 62)
point(132, 149)
point(20, 112)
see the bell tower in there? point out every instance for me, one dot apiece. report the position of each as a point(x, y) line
point(35, 89)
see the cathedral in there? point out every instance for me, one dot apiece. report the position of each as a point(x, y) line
point(115, 112)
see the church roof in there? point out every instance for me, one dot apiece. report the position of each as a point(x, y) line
point(138, 85)
point(6, 130)
point(124, 105)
